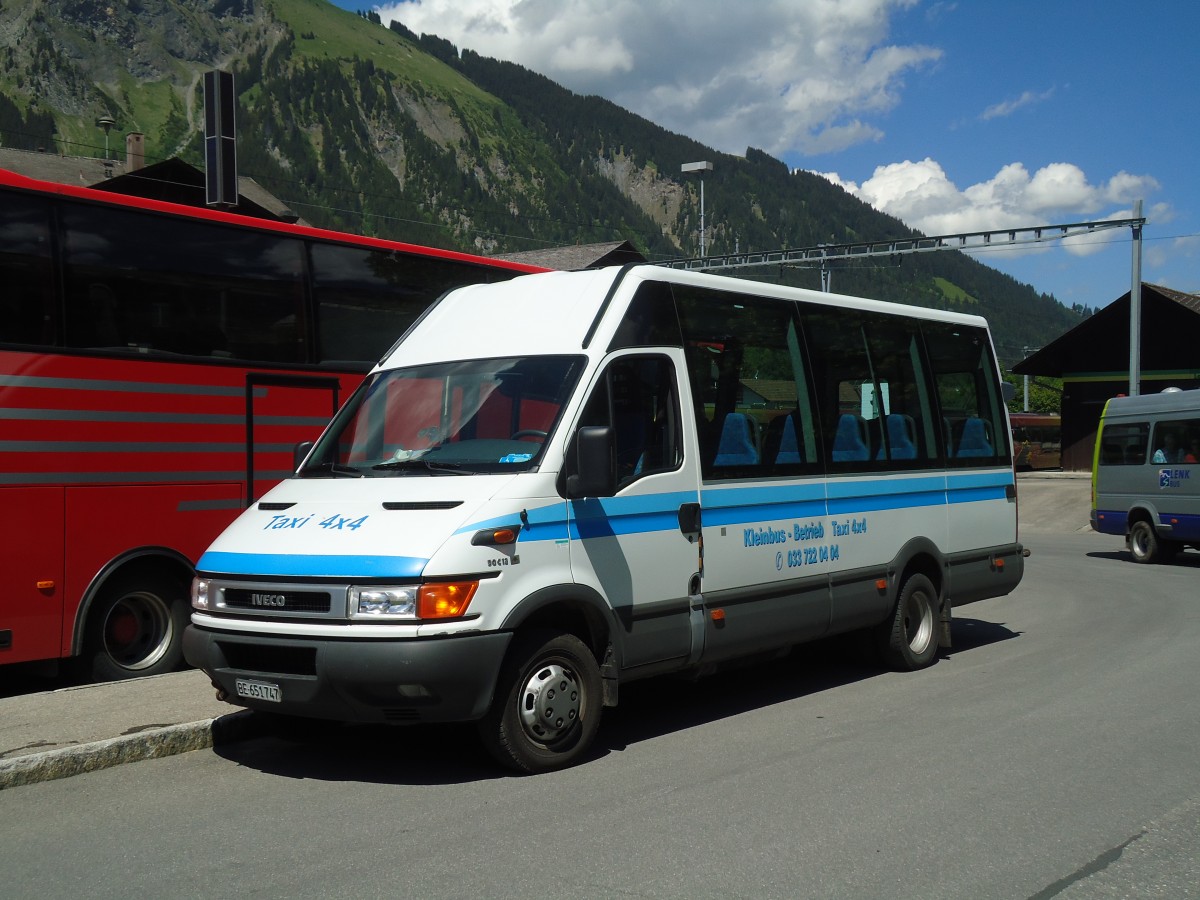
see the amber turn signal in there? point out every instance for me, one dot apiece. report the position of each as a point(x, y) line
point(494, 537)
point(445, 599)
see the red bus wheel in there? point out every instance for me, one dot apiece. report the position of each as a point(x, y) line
point(136, 628)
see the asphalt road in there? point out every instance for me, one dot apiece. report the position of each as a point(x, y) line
point(1052, 753)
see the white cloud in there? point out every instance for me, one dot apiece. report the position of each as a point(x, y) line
point(782, 76)
point(921, 195)
point(790, 78)
point(1008, 107)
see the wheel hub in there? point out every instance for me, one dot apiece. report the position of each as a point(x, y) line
point(550, 702)
point(137, 631)
point(918, 623)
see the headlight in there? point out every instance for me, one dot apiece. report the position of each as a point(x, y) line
point(200, 593)
point(383, 602)
point(436, 600)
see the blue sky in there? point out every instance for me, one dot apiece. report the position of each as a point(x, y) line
point(952, 116)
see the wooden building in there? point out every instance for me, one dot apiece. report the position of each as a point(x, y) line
point(172, 180)
point(1092, 360)
point(578, 256)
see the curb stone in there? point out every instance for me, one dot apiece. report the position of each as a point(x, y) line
point(153, 743)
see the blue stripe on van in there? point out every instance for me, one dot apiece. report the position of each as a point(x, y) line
point(877, 487)
point(311, 565)
point(741, 504)
point(877, 502)
point(545, 523)
point(973, 495)
point(1183, 527)
point(643, 514)
point(769, 506)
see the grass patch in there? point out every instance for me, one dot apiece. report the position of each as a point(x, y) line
point(953, 293)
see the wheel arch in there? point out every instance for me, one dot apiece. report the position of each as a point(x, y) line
point(920, 556)
point(1141, 512)
point(159, 560)
point(575, 609)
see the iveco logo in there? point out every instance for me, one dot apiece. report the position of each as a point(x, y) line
point(268, 599)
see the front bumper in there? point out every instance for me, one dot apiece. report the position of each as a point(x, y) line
point(444, 679)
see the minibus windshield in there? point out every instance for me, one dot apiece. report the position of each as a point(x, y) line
point(453, 418)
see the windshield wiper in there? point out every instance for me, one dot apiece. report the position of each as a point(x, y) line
point(417, 462)
point(336, 469)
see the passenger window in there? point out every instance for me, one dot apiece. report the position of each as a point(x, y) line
point(973, 430)
point(650, 320)
point(1124, 445)
point(162, 293)
point(749, 384)
point(366, 298)
point(873, 391)
point(638, 398)
point(27, 309)
point(1176, 442)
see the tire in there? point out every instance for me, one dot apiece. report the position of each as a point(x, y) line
point(547, 704)
point(136, 628)
point(1144, 544)
point(909, 639)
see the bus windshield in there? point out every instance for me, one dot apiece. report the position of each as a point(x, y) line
point(473, 416)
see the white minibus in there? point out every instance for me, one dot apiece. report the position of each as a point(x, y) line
point(553, 486)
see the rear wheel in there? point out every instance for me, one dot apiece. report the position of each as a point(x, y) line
point(908, 640)
point(547, 705)
point(1144, 544)
point(136, 628)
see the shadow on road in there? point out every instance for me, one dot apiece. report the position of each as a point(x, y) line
point(451, 754)
point(17, 679)
point(968, 634)
point(1182, 559)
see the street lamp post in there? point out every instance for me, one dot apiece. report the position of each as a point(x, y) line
point(106, 122)
point(701, 168)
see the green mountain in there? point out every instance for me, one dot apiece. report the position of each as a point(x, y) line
point(377, 130)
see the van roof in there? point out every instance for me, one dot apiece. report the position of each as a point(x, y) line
point(554, 312)
point(1167, 401)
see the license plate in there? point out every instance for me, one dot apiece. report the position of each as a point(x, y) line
point(258, 690)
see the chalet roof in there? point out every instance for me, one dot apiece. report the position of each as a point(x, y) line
point(772, 390)
point(172, 180)
point(82, 171)
point(1100, 344)
point(579, 256)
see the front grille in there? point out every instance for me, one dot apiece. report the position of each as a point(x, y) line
point(268, 659)
point(275, 601)
point(401, 714)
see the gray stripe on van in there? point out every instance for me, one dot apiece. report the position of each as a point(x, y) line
point(134, 447)
point(142, 478)
point(126, 387)
point(77, 415)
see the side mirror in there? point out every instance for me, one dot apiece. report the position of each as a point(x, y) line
point(299, 452)
point(1007, 390)
point(595, 470)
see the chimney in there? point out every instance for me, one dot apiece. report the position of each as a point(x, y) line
point(135, 151)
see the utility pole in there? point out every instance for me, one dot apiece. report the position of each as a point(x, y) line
point(701, 168)
point(1135, 306)
point(106, 122)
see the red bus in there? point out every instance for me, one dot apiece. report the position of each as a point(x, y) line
point(158, 363)
point(1037, 440)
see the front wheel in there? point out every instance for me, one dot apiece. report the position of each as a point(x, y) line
point(547, 704)
point(136, 628)
point(1144, 543)
point(908, 640)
